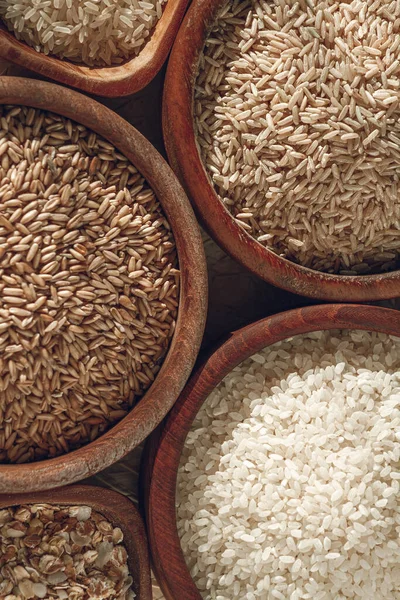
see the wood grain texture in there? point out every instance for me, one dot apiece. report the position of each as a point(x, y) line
point(164, 448)
point(179, 137)
point(119, 80)
point(117, 509)
point(179, 361)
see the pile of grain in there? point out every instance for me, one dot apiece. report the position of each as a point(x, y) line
point(289, 482)
point(95, 32)
point(61, 552)
point(298, 120)
point(88, 285)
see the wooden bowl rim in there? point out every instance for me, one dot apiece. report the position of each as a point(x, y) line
point(164, 447)
point(183, 154)
point(116, 508)
point(113, 81)
point(183, 350)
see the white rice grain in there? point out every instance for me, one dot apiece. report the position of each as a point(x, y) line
point(289, 478)
point(97, 33)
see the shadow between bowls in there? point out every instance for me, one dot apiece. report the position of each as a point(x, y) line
point(182, 354)
point(119, 80)
point(163, 449)
point(184, 157)
point(117, 509)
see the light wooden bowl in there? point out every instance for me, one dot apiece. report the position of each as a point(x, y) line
point(114, 81)
point(164, 448)
point(117, 509)
point(180, 141)
point(179, 361)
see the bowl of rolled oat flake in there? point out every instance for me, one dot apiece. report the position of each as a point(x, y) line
point(75, 543)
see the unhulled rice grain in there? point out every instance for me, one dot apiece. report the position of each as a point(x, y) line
point(297, 117)
point(88, 285)
point(95, 32)
point(288, 487)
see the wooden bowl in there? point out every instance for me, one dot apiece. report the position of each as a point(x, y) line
point(119, 80)
point(117, 509)
point(179, 361)
point(180, 141)
point(164, 448)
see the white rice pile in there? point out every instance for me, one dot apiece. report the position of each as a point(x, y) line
point(288, 487)
point(95, 32)
point(297, 112)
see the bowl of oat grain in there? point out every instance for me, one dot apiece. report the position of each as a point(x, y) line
point(103, 287)
point(73, 543)
point(284, 129)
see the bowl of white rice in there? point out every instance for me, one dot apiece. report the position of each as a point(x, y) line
point(282, 121)
point(109, 48)
point(277, 473)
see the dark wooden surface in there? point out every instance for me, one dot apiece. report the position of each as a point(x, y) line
point(164, 448)
point(119, 80)
point(184, 157)
point(117, 509)
point(160, 397)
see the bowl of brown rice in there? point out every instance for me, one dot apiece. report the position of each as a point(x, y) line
point(105, 48)
point(276, 474)
point(103, 286)
point(281, 121)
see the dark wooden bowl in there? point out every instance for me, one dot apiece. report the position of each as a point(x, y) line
point(117, 509)
point(164, 448)
point(180, 140)
point(119, 80)
point(179, 361)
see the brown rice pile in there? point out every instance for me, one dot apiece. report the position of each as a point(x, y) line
point(88, 285)
point(298, 120)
